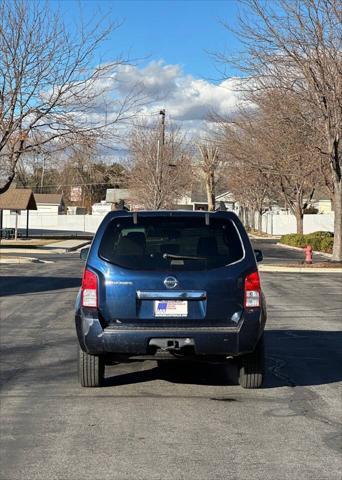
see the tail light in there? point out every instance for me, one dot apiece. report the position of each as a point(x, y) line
point(252, 290)
point(89, 289)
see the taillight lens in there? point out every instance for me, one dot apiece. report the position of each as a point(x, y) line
point(89, 289)
point(252, 290)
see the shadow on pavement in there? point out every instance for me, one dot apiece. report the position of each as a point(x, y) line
point(42, 232)
point(177, 372)
point(303, 357)
point(17, 285)
point(293, 358)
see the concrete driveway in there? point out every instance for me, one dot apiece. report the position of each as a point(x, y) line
point(186, 424)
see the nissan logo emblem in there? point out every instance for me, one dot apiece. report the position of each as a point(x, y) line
point(170, 282)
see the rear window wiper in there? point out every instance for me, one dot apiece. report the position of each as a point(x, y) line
point(182, 257)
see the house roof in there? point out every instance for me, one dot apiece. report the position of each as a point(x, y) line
point(48, 198)
point(200, 196)
point(18, 199)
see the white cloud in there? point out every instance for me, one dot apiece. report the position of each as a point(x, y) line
point(185, 97)
point(167, 86)
point(157, 79)
point(188, 101)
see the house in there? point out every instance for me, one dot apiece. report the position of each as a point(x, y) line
point(197, 200)
point(49, 203)
point(118, 197)
point(101, 208)
point(76, 210)
point(323, 205)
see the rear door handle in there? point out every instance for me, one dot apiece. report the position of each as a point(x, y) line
point(175, 295)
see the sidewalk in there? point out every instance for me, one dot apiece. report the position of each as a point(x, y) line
point(68, 245)
point(63, 246)
point(298, 269)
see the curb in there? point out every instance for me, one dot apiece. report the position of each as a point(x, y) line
point(299, 249)
point(76, 247)
point(44, 251)
point(54, 248)
point(31, 250)
point(257, 237)
point(279, 268)
point(21, 260)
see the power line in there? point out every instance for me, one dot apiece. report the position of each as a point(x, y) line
point(69, 185)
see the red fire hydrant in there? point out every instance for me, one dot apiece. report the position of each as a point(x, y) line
point(308, 254)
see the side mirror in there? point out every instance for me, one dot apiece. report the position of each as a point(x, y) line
point(258, 255)
point(84, 253)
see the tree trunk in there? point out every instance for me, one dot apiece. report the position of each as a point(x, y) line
point(246, 217)
point(242, 214)
point(210, 184)
point(337, 248)
point(252, 219)
point(8, 183)
point(300, 222)
point(260, 220)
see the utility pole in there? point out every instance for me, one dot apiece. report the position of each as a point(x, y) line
point(159, 169)
point(162, 113)
point(42, 176)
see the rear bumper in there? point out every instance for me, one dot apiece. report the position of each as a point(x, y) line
point(135, 341)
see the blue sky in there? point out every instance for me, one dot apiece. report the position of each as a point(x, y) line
point(170, 41)
point(178, 32)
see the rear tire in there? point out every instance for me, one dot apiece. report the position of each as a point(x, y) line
point(252, 366)
point(90, 369)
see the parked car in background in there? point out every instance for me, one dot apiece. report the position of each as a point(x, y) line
point(171, 285)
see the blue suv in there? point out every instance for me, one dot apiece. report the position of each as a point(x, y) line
point(170, 285)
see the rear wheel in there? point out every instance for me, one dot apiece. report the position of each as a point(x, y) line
point(251, 367)
point(90, 369)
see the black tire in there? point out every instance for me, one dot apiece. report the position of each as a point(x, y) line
point(90, 369)
point(252, 366)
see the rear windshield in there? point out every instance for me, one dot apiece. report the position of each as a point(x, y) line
point(172, 243)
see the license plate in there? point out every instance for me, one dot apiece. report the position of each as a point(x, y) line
point(170, 308)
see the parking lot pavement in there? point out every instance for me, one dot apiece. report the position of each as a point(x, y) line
point(189, 423)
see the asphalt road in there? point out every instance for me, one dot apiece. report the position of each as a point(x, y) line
point(188, 424)
point(275, 254)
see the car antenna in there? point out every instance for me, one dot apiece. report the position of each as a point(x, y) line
point(207, 218)
point(135, 218)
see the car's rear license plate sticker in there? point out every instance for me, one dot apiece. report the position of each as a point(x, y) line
point(170, 308)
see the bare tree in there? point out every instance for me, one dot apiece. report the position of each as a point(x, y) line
point(51, 91)
point(295, 45)
point(160, 166)
point(245, 169)
point(252, 188)
point(287, 139)
point(209, 166)
point(270, 149)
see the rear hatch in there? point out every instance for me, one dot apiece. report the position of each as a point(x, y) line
point(170, 271)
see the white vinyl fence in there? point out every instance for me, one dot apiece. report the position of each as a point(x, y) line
point(271, 223)
point(283, 224)
point(68, 223)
